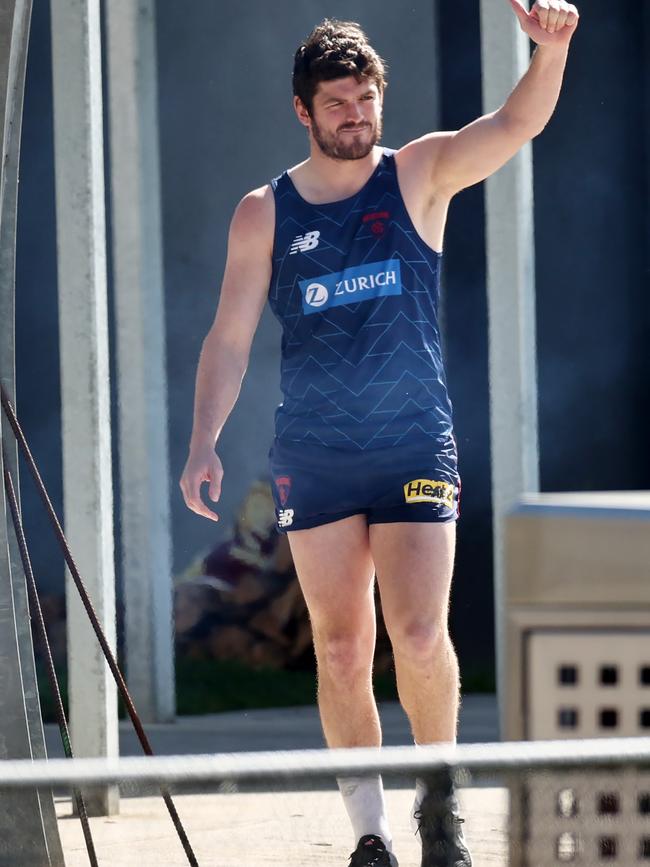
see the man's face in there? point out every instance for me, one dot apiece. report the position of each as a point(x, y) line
point(346, 118)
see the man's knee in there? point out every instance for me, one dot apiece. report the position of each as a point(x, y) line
point(344, 656)
point(420, 641)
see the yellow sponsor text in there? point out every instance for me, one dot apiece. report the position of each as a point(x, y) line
point(429, 491)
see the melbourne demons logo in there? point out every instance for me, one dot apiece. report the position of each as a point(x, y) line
point(283, 484)
point(376, 220)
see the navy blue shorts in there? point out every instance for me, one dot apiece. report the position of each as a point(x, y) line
point(314, 484)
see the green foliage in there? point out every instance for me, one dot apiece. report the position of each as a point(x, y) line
point(213, 686)
point(478, 678)
point(210, 686)
point(48, 706)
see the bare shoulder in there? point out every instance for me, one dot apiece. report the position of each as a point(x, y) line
point(417, 159)
point(425, 147)
point(254, 219)
point(425, 198)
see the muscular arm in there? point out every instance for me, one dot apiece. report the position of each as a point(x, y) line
point(479, 149)
point(226, 347)
point(456, 160)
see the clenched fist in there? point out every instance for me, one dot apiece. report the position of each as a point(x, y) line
point(549, 22)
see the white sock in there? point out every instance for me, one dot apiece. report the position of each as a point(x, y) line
point(364, 801)
point(420, 792)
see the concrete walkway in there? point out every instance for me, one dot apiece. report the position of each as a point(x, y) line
point(280, 827)
point(295, 728)
point(294, 829)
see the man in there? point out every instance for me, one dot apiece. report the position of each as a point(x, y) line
point(347, 248)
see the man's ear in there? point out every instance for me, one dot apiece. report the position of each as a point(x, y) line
point(301, 111)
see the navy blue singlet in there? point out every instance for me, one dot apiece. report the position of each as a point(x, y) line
point(356, 290)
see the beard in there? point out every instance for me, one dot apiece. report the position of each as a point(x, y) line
point(347, 146)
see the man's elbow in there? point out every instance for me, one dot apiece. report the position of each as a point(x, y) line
point(520, 129)
point(222, 349)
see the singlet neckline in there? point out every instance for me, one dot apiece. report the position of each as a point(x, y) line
point(386, 154)
point(347, 199)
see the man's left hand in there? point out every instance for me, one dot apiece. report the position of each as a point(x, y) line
point(549, 22)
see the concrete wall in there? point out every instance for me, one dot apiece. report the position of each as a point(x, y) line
point(593, 264)
point(228, 126)
point(592, 210)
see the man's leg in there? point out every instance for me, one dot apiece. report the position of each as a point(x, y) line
point(414, 568)
point(336, 573)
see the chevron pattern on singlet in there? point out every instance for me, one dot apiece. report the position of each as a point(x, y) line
point(356, 290)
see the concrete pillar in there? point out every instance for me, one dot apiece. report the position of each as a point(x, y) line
point(87, 485)
point(28, 827)
point(140, 340)
point(511, 304)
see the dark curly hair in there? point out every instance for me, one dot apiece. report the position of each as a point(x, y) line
point(335, 49)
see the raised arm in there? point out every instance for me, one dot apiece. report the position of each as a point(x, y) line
point(226, 348)
point(459, 159)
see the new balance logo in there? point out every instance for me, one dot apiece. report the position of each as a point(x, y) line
point(285, 517)
point(303, 243)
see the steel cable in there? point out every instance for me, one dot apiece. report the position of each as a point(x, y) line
point(110, 659)
point(37, 615)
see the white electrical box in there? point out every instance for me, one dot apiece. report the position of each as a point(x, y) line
point(576, 647)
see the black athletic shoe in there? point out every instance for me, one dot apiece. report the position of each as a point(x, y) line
point(371, 852)
point(440, 828)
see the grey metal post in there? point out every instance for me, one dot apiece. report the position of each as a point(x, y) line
point(140, 338)
point(511, 304)
point(87, 485)
point(28, 827)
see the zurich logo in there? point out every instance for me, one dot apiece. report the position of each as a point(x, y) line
point(316, 295)
point(351, 286)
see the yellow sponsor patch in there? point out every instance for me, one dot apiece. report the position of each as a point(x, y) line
point(429, 491)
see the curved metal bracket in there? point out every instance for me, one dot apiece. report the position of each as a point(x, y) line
point(28, 827)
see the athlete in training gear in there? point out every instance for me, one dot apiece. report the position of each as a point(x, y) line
point(352, 296)
point(356, 292)
point(357, 297)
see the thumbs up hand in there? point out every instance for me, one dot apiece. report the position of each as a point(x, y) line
point(549, 22)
